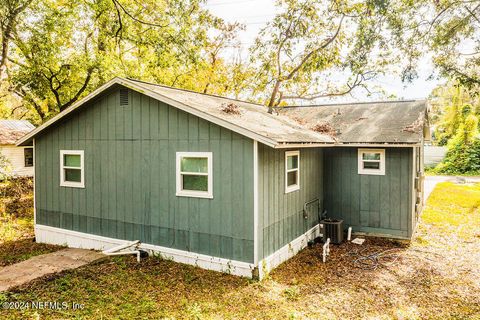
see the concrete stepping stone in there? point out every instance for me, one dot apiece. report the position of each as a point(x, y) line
point(38, 266)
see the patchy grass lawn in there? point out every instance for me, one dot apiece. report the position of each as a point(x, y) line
point(437, 276)
point(16, 230)
point(17, 241)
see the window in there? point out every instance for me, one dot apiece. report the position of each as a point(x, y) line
point(292, 171)
point(194, 174)
point(71, 168)
point(371, 161)
point(28, 156)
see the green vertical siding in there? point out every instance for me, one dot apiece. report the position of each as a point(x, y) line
point(129, 193)
point(281, 217)
point(370, 203)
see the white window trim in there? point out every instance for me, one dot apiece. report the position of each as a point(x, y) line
point(72, 184)
point(33, 151)
point(293, 187)
point(378, 172)
point(191, 193)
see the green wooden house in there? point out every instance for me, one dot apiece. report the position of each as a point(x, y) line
point(220, 183)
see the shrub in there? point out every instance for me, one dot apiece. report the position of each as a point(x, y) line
point(16, 196)
point(463, 155)
point(461, 159)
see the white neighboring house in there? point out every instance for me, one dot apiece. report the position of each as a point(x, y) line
point(20, 159)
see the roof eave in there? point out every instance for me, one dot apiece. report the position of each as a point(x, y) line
point(179, 105)
point(134, 86)
point(287, 145)
point(25, 139)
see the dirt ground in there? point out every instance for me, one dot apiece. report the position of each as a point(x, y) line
point(436, 276)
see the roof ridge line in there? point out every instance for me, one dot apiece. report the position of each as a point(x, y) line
point(353, 103)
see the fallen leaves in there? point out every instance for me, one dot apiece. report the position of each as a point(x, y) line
point(231, 108)
point(325, 128)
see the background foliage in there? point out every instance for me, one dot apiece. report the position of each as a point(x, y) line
point(54, 52)
point(455, 117)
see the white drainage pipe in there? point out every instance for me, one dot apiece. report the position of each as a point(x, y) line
point(117, 251)
point(326, 250)
point(122, 246)
point(349, 236)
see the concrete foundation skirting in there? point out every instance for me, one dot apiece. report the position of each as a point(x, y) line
point(75, 239)
point(287, 251)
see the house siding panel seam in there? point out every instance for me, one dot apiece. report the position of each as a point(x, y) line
point(129, 194)
point(377, 204)
point(281, 217)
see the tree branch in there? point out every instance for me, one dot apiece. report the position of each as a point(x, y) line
point(278, 81)
point(463, 77)
point(7, 32)
point(22, 93)
point(472, 12)
point(311, 53)
point(358, 82)
point(138, 20)
point(120, 24)
point(80, 91)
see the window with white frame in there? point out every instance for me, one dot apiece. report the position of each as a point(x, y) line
point(194, 174)
point(371, 161)
point(292, 171)
point(28, 157)
point(72, 169)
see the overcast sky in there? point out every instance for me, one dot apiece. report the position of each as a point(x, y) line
point(256, 13)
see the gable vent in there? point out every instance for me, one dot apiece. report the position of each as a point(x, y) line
point(123, 97)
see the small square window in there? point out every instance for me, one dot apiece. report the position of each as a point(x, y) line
point(71, 168)
point(28, 156)
point(194, 174)
point(371, 161)
point(292, 171)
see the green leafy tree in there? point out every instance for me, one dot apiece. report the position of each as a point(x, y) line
point(457, 128)
point(59, 51)
point(302, 52)
point(446, 30)
point(463, 155)
point(451, 105)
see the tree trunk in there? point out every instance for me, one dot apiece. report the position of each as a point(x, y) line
point(271, 102)
point(6, 36)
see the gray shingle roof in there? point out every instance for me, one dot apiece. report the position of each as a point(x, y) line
point(12, 130)
point(253, 121)
point(375, 122)
point(385, 122)
point(252, 117)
